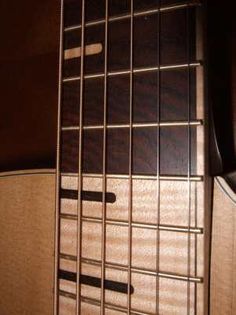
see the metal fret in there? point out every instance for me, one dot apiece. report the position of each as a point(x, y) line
point(98, 303)
point(139, 270)
point(141, 177)
point(141, 225)
point(140, 13)
point(135, 70)
point(192, 230)
point(198, 122)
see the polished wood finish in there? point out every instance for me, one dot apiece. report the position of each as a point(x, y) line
point(92, 49)
point(164, 256)
point(27, 223)
point(223, 255)
point(174, 26)
point(173, 151)
point(173, 245)
point(173, 98)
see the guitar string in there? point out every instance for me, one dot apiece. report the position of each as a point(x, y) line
point(189, 162)
point(104, 184)
point(80, 177)
point(198, 41)
point(158, 156)
point(57, 196)
point(130, 206)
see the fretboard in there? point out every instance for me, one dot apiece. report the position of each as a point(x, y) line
point(131, 230)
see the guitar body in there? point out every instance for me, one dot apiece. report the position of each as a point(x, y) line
point(131, 220)
point(27, 238)
point(27, 223)
point(223, 259)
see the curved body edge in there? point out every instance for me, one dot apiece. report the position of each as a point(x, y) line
point(223, 253)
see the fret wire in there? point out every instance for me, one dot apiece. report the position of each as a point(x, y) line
point(138, 177)
point(58, 176)
point(130, 201)
point(136, 14)
point(112, 306)
point(189, 162)
point(158, 161)
point(142, 271)
point(138, 125)
point(103, 247)
point(135, 70)
point(141, 225)
point(80, 179)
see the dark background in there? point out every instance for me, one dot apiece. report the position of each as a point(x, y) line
point(29, 32)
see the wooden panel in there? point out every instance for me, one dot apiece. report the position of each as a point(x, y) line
point(71, 12)
point(96, 11)
point(174, 86)
point(223, 256)
point(173, 201)
point(70, 151)
point(27, 244)
point(117, 7)
point(177, 28)
point(172, 293)
point(174, 158)
point(70, 104)
point(93, 102)
point(145, 46)
point(167, 238)
point(174, 210)
point(119, 45)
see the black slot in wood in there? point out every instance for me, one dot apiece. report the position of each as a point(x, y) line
point(96, 282)
point(88, 195)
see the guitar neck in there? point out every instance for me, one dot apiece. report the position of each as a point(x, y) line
point(132, 231)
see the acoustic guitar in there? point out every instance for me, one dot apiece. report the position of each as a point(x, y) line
point(132, 220)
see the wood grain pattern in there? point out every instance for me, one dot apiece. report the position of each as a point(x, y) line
point(173, 201)
point(27, 206)
point(95, 11)
point(173, 98)
point(92, 49)
point(173, 245)
point(168, 241)
point(223, 259)
point(176, 27)
point(174, 157)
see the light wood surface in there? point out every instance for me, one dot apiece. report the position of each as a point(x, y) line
point(223, 259)
point(26, 243)
point(172, 247)
point(26, 249)
point(92, 49)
